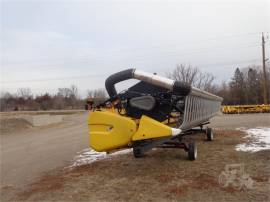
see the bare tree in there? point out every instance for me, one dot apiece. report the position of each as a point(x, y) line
point(204, 81)
point(24, 98)
point(24, 93)
point(45, 101)
point(69, 95)
point(74, 91)
point(183, 73)
point(63, 92)
point(193, 76)
point(7, 101)
point(97, 95)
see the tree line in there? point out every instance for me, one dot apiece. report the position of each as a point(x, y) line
point(245, 87)
point(64, 99)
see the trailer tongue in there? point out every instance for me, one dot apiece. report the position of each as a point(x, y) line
point(156, 112)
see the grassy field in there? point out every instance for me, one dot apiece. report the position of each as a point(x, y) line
point(37, 159)
point(162, 175)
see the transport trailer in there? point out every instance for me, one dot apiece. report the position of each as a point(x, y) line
point(155, 112)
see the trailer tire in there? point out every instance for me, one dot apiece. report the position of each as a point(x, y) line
point(209, 134)
point(192, 151)
point(137, 152)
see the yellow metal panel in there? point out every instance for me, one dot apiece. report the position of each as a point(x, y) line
point(108, 130)
point(150, 128)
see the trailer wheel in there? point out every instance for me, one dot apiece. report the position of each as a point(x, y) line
point(192, 151)
point(209, 134)
point(137, 152)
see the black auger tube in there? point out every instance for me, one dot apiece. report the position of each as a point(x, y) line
point(116, 78)
point(176, 87)
point(181, 88)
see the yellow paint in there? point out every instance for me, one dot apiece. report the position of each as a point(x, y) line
point(108, 130)
point(150, 128)
point(239, 109)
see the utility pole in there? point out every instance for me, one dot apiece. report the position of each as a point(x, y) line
point(265, 98)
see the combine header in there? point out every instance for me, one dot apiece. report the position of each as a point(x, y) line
point(155, 112)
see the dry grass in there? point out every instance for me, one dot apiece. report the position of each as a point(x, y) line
point(162, 175)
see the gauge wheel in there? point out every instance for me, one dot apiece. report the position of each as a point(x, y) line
point(137, 152)
point(209, 134)
point(192, 151)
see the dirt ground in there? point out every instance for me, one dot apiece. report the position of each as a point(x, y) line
point(28, 152)
point(162, 175)
point(11, 125)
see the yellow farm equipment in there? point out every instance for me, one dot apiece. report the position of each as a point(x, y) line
point(155, 112)
point(242, 109)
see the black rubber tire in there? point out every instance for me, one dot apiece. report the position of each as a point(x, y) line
point(192, 151)
point(209, 134)
point(137, 153)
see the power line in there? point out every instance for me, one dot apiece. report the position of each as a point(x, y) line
point(162, 54)
point(103, 75)
point(232, 63)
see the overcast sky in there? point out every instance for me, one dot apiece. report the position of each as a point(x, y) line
point(49, 44)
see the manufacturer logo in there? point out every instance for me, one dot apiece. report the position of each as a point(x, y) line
point(235, 176)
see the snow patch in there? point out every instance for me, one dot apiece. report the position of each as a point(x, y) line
point(259, 140)
point(88, 156)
